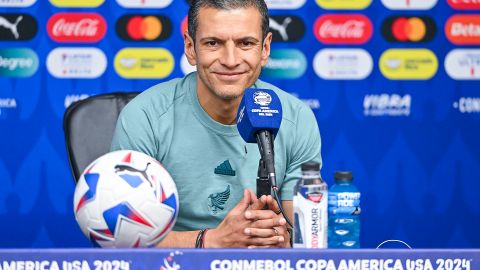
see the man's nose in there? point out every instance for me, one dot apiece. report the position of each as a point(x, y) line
point(230, 57)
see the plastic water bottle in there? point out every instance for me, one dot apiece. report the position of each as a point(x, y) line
point(310, 209)
point(343, 211)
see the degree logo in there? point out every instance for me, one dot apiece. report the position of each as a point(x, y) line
point(144, 63)
point(409, 4)
point(463, 64)
point(77, 3)
point(143, 27)
point(344, 4)
point(17, 27)
point(408, 29)
point(76, 27)
point(18, 62)
point(463, 29)
point(408, 64)
point(285, 64)
point(464, 4)
point(343, 29)
point(144, 3)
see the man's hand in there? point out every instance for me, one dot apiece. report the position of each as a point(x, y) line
point(268, 225)
point(246, 225)
point(230, 232)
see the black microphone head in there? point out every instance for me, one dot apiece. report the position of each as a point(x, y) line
point(260, 109)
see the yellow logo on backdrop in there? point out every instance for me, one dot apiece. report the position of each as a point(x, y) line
point(144, 63)
point(344, 4)
point(408, 64)
point(77, 3)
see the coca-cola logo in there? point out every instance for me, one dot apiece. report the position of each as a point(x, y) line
point(463, 29)
point(76, 27)
point(343, 29)
point(464, 4)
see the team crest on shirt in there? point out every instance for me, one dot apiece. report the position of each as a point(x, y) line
point(216, 201)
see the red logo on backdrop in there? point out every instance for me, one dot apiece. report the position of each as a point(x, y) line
point(76, 27)
point(343, 29)
point(464, 4)
point(184, 25)
point(463, 29)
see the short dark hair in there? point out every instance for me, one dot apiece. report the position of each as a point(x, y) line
point(195, 6)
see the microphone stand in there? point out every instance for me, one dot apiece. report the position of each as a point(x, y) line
point(266, 178)
point(263, 183)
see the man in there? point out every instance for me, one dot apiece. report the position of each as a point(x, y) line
point(188, 125)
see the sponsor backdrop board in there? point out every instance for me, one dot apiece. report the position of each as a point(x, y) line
point(394, 84)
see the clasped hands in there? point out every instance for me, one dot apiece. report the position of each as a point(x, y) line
point(249, 225)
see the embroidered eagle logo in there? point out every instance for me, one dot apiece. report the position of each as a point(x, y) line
point(218, 200)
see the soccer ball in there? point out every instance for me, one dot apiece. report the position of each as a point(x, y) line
point(125, 199)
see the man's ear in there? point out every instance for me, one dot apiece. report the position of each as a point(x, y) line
point(266, 49)
point(189, 49)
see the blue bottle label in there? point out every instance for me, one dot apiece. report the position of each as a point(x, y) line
point(344, 199)
point(344, 203)
point(344, 210)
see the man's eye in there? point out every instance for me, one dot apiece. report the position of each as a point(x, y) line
point(212, 43)
point(247, 43)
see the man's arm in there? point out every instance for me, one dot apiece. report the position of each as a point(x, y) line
point(179, 240)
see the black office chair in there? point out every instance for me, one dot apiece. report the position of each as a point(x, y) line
point(89, 125)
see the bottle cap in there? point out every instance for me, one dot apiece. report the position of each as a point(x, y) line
point(343, 176)
point(311, 166)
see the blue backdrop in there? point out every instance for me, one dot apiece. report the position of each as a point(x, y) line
point(408, 130)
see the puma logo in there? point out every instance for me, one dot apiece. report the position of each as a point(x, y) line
point(11, 26)
point(122, 168)
point(281, 28)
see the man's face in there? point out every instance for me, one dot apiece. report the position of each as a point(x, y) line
point(229, 51)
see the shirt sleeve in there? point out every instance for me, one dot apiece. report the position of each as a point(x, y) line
point(305, 147)
point(134, 131)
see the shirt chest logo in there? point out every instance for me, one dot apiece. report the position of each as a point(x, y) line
point(217, 200)
point(225, 169)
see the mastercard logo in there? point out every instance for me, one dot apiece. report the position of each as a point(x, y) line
point(143, 27)
point(409, 29)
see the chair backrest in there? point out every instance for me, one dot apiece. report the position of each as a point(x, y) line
point(89, 125)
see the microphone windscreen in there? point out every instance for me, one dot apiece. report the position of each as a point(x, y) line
point(260, 109)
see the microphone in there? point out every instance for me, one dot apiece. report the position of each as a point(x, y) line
point(258, 120)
